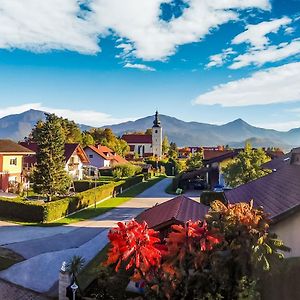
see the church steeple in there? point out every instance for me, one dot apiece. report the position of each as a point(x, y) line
point(156, 122)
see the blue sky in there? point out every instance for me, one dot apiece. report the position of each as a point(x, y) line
point(106, 61)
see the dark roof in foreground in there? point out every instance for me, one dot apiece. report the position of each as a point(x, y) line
point(180, 209)
point(8, 146)
point(278, 192)
point(278, 163)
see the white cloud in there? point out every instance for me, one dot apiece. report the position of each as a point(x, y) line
point(87, 117)
point(139, 66)
point(256, 34)
point(37, 25)
point(218, 60)
point(273, 85)
point(45, 25)
point(269, 54)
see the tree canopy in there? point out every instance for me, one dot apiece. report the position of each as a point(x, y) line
point(246, 166)
point(50, 176)
point(71, 133)
point(195, 161)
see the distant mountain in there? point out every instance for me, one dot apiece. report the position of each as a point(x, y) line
point(18, 126)
point(183, 133)
point(261, 142)
point(234, 133)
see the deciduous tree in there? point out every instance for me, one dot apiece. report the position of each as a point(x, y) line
point(246, 166)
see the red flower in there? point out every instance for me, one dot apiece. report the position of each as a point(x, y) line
point(135, 244)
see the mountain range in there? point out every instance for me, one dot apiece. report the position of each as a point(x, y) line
point(183, 133)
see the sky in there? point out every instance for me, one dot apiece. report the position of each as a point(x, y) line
point(102, 62)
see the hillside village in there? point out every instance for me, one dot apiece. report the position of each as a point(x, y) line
point(95, 174)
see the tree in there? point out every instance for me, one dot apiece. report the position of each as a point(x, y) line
point(246, 166)
point(222, 257)
point(148, 131)
point(107, 138)
point(173, 151)
point(195, 161)
point(165, 145)
point(87, 139)
point(49, 175)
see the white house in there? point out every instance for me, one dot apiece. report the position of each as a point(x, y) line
point(75, 159)
point(146, 145)
point(103, 157)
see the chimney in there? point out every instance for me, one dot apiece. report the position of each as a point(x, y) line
point(295, 158)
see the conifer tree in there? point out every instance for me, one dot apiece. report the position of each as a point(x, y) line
point(50, 177)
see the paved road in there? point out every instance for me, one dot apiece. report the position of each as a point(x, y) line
point(46, 248)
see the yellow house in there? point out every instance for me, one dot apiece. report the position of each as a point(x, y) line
point(11, 163)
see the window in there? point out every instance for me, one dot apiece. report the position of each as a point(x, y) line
point(156, 131)
point(13, 161)
point(91, 155)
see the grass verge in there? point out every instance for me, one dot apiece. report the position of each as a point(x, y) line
point(102, 207)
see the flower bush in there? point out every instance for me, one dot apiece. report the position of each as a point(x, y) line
point(221, 257)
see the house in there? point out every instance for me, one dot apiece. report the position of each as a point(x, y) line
point(103, 157)
point(279, 194)
point(145, 145)
point(11, 163)
point(75, 159)
point(178, 210)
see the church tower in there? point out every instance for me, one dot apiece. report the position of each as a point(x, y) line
point(157, 138)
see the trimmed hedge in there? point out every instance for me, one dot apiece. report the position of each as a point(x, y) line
point(83, 185)
point(208, 197)
point(30, 211)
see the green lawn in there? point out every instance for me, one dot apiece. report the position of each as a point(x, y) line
point(102, 207)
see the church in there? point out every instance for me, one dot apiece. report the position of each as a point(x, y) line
point(146, 145)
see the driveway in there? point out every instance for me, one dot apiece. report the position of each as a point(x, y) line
point(45, 248)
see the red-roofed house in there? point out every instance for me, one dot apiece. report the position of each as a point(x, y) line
point(103, 157)
point(178, 210)
point(75, 159)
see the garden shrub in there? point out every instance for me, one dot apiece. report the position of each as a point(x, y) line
point(126, 170)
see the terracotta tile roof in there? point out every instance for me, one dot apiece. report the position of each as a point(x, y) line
point(278, 192)
point(70, 148)
point(137, 138)
point(180, 209)
point(8, 146)
point(107, 154)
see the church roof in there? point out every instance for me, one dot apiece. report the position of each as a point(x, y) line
point(137, 138)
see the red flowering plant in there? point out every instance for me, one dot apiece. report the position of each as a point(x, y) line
point(135, 245)
point(218, 258)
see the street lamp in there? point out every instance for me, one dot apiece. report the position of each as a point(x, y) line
point(74, 288)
